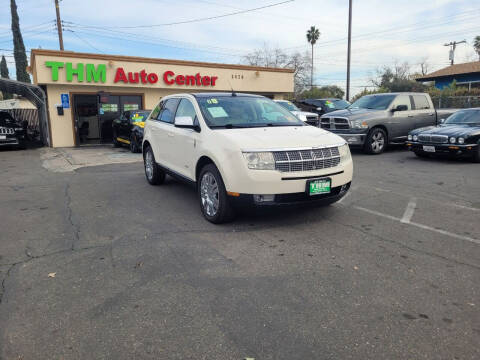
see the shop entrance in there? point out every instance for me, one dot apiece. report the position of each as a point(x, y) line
point(94, 114)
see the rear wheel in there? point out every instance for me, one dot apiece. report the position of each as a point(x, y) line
point(213, 196)
point(153, 173)
point(376, 141)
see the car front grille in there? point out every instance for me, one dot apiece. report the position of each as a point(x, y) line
point(312, 120)
point(6, 131)
point(306, 160)
point(333, 123)
point(437, 139)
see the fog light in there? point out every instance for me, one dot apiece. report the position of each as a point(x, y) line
point(263, 198)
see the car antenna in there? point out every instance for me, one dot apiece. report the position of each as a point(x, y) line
point(231, 87)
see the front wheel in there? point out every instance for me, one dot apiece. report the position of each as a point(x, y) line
point(213, 196)
point(153, 173)
point(376, 141)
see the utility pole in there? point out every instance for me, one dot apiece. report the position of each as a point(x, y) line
point(453, 46)
point(59, 25)
point(349, 47)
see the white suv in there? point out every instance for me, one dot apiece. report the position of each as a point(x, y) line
point(241, 149)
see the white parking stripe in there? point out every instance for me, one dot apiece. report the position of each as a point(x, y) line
point(421, 226)
point(407, 215)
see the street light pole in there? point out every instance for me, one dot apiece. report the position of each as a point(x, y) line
point(349, 47)
point(59, 25)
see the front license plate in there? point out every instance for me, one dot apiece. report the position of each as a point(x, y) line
point(428, 148)
point(3, 137)
point(319, 186)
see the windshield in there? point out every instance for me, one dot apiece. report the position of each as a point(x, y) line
point(377, 102)
point(288, 105)
point(336, 104)
point(244, 111)
point(139, 116)
point(464, 117)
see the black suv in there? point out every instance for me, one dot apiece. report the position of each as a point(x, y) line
point(322, 106)
point(12, 132)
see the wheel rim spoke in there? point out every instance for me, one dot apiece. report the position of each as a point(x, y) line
point(209, 194)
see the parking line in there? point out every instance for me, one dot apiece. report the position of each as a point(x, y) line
point(421, 226)
point(407, 215)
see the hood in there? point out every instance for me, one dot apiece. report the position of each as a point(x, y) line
point(281, 137)
point(455, 130)
point(353, 114)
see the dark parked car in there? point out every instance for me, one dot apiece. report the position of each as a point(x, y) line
point(374, 121)
point(12, 131)
point(322, 106)
point(459, 135)
point(128, 129)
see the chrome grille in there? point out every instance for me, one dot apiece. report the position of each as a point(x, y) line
point(4, 131)
point(312, 120)
point(437, 139)
point(306, 160)
point(334, 123)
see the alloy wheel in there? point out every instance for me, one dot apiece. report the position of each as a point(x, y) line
point(209, 194)
point(149, 164)
point(378, 141)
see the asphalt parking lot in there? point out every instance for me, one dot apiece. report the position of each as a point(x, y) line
point(96, 263)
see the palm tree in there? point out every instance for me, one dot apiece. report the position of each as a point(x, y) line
point(476, 45)
point(312, 36)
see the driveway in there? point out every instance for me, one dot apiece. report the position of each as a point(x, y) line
point(96, 263)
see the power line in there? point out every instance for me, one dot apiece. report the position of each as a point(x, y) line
point(195, 20)
point(85, 41)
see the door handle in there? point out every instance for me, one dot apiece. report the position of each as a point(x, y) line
point(410, 115)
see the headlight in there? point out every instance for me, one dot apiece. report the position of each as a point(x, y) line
point(415, 137)
point(359, 124)
point(461, 140)
point(409, 137)
point(452, 140)
point(259, 160)
point(344, 151)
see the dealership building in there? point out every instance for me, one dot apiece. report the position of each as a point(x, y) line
point(85, 92)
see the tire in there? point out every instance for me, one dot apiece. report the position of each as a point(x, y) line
point(153, 173)
point(133, 144)
point(376, 141)
point(212, 196)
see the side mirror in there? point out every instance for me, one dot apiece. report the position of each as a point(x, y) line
point(400, 108)
point(186, 122)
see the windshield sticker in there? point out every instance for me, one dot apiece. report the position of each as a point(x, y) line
point(217, 112)
point(138, 117)
point(329, 104)
point(212, 101)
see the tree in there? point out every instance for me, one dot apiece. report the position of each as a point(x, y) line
point(397, 79)
point(4, 74)
point(327, 91)
point(268, 57)
point(19, 54)
point(313, 34)
point(476, 45)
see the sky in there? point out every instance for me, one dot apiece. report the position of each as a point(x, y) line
point(384, 32)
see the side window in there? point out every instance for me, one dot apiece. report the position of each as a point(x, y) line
point(185, 108)
point(402, 100)
point(168, 111)
point(421, 102)
point(156, 111)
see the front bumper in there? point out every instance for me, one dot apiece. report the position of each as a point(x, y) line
point(451, 149)
point(292, 199)
point(352, 137)
point(9, 141)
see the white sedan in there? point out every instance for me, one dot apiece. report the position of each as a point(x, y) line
point(307, 117)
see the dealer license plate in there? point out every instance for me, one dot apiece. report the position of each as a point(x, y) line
point(3, 137)
point(428, 148)
point(319, 186)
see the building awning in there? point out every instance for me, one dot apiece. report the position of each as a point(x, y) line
point(36, 96)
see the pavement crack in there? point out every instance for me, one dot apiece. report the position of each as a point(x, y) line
point(68, 206)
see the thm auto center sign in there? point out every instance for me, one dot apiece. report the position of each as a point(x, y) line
point(91, 73)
